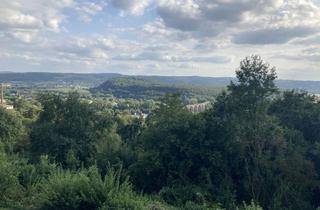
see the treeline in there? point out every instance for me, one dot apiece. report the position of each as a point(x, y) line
point(138, 87)
point(256, 148)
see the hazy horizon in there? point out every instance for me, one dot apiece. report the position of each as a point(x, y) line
point(160, 37)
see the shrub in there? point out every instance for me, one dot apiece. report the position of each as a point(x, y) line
point(10, 189)
point(251, 206)
point(188, 197)
point(179, 195)
point(86, 190)
point(66, 190)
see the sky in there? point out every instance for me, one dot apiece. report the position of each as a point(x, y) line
point(160, 37)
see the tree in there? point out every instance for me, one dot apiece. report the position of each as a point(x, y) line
point(255, 84)
point(11, 129)
point(257, 151)
point(28, 109)
point(10, 189)
point(130, 129)
point(300, 111)
point(68, 130)
point(169, 144)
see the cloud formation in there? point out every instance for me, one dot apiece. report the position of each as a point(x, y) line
point(182, 37)
point(273, 35)
point(211, 18)
point(88, 9)
point(131, 7)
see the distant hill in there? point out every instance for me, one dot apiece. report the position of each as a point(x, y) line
point(90, 80)
point(192, 80)
point(310, 86)
point(94, 80)
point(141, 87)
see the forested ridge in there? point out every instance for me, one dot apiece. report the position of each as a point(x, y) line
point(256, 148)
point(140, 88)
point(47, 80)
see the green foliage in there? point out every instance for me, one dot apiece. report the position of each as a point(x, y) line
point(10, 189)
point(168, 143)
point(86, 189)
point(251, 206)
point(300, 111)
point(11, 128)
point(255, 78)
point(147, 88)
point(184, 195)
point(68, 130)
point(236, 153)
point(254, 86)
point(112, 152)
point(67, 190)
point(252, 147)
point(255, 146)
point(131, 130)
point(28, 109)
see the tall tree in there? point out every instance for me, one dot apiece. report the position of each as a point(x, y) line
point(12, 129)
point(300, 111)
point(257, 150)
point(255, 83)
point(170, 142)
point(68, 130)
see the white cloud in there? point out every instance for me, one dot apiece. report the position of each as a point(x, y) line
point(26, 37)
point(204, 37)
point(88, 9)
point(131, 7)
point(209, 18)
point(167, 57)
point(24, 21)
point(308, 54)
point(312, 40)
point(180, 14)
point(273, 35)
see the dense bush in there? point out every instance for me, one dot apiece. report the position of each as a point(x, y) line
point(68, 130)
point(254, 149)
point(86, 189)
point(10, 189)
point(12, 129)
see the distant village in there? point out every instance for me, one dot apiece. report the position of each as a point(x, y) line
point(194, 108)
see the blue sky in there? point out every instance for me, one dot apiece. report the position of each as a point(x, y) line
point(160, 37)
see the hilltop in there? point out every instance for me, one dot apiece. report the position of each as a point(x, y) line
point(147, 87)
point(95, 79)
